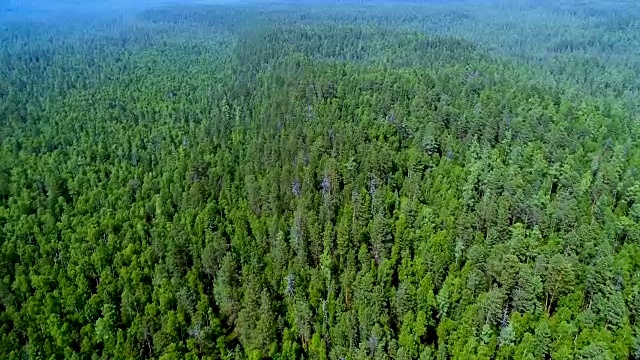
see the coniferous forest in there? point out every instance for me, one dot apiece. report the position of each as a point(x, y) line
point(345, 180)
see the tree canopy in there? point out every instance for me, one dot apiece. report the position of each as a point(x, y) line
point(410, 181)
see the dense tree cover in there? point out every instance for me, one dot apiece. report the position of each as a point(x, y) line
point(283, 182)
point(580, 46)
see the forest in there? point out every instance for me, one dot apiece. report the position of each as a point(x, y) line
point(323, 180)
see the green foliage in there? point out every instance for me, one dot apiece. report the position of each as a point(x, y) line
point(291, 182)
